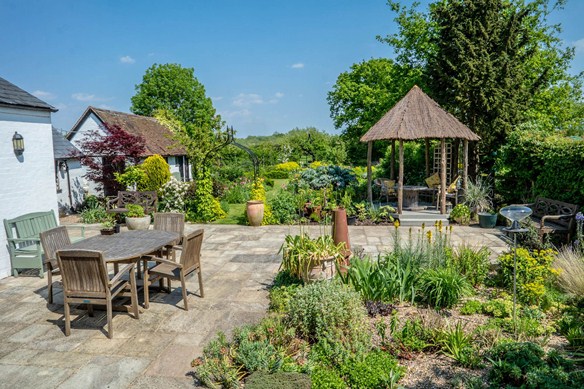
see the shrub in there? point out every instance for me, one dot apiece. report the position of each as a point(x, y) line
point(283, 206)
point(237, 192)
point(326, 378)
point(472, 263)
point(443, 287)
point(570, 263)
point(279, 380)
point(281, 296)
point(527, 365)
point(460, 214)
point(329, 311)
point(93, 213)
point(498, 307)
point(458, 345)
point(471, 307)
point(172, 196)
point(157, 173)
point(201, 205)
point(534, 272)
point(377, 370)
point(131, 178)
point(414, 336)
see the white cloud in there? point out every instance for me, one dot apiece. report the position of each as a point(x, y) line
point(298, 65)
point(246, 100)
point(579, 45)
point(105, 106)
point(279, 95)
point(43, 95)
point(80, 96)
point(218, 98)
point(127, 59)
point(242, 113)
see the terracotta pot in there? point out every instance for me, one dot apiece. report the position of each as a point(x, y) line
point(340, 229)
point(138, 223)
point(255, 212)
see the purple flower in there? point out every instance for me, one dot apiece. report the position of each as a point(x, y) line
point(579, 217)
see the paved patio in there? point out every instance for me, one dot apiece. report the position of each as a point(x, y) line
point(238, 264)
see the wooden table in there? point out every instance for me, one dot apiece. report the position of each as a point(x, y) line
point(411, 196)
point(127, 247)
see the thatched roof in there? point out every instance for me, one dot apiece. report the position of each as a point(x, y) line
point(417, 116)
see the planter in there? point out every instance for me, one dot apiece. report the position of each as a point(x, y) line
point(321, 270)
point(138, 223)
point(351, 220)
point(487, 220)
point(107, 231)
point(255, 212)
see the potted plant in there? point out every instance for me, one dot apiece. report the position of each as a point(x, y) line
point(347, 203)
point(108, 226)
point(478, 197)
point(460, 214)
point(136, 219)
point(311, 259)
point(488, 219)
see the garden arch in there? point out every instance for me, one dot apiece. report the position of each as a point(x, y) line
point(417, 116)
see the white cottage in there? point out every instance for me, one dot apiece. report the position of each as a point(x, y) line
point(27, 176)
point(158, 138)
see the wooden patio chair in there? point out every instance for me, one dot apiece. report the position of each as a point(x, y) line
point(190, 262)
point(386, 187)
point(53, 240)
point(171, 222)
point(86, 281)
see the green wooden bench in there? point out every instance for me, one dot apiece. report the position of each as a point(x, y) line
point(24, 244)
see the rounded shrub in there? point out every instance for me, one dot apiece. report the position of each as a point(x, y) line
point(329, 311)
point(157, 173)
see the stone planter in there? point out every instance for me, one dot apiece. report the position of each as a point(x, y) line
point(321, 270)
point(138, 223)
point(255, 212)
point(487, 220)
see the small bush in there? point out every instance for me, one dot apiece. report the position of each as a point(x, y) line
point(443, 287)
point(329, 311)
point(460, 214)
point(93, 214)
point(377, 370)
point(414, 336)
point(471, 307)
point(458, 345)
point(326, 378)
point(534, 272)
point(237, 193)
point(570, 264)
point(283, 206)
point(172, 196)
point(498, 307)
point(156, 173)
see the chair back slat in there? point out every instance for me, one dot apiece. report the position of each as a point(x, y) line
point(191, 253)
point(83, 271)
point(170, 221)
point(53, 240)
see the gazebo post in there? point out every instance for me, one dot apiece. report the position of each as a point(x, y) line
point(392, 161)
point(369, 189)
point(400, 178)
point(427, 154)
point(465, 167)
point(443, 176)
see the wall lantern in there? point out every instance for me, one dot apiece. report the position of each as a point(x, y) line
point(63, 166)
point(18, 143)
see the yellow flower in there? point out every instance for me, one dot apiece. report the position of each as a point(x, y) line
point(429, 235)
point(396, 223)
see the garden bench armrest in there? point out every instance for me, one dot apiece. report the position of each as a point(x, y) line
point(553, 217)
point(20, 240)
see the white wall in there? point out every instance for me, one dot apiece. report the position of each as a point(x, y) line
point(76, 183)
point(89, 124)
point(27, 182)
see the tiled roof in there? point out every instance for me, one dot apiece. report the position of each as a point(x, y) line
point(62, 148)
point(157, 136)
point(12, 95)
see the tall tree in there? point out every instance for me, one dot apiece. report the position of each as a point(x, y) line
point(361, 96)
point(175, 89)
point(492, 63)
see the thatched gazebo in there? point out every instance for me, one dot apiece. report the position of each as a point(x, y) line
point(417, 116)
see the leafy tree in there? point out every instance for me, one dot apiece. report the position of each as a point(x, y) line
point(105, 154)
point(493, 63)
point(175, 89)
point(314, 145)
point(361, 96)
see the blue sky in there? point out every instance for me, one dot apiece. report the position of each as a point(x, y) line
point(267, 65)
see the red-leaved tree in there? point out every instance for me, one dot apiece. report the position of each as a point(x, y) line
point(105, 154)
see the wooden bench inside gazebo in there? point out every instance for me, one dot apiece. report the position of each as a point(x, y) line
point(417, 116)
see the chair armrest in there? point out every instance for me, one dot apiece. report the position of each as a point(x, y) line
point(162, 260)
point(112, 203)
point(553, 217)
point(120, 273)
point(82, 228)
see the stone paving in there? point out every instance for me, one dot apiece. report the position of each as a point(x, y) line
point(238, 264)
